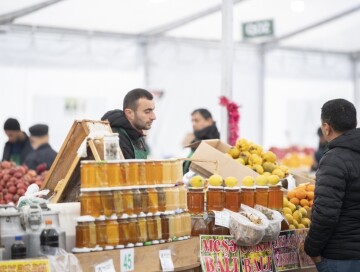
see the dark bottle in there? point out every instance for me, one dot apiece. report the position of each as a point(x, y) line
point(18, 249)
point(49, 238)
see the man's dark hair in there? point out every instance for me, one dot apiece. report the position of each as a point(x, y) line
point(340, 114)
point(319, 132)
point(12, 124)
point(132, 97)
point(203, 112)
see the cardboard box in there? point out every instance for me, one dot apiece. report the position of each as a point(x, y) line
point(210, 151)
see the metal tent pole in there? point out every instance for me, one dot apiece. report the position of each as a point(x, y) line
point(356, 77)
point(261, 93)
point(227, 50)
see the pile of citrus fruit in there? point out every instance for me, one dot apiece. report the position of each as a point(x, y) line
point(297, 206)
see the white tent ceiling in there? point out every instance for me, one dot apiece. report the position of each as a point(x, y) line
point(139, 17)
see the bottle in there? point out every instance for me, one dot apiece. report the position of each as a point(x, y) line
point(18, 249)
point(49, 238)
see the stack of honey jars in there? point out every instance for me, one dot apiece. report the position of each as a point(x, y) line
point(131, 203)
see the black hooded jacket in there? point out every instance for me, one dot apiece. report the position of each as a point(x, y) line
point(118, 120)
point(210, 132)
point(335, 227)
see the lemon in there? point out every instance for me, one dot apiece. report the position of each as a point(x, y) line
point(197, 181)
point(248, 181)
point(285, 202)
point(289, 218)
point(231, 182)
point(273, 179)
point(234, 152)
point(215, 180)
point(279, 173)
point(261, 180)
point(303, 212)
point(287, 210)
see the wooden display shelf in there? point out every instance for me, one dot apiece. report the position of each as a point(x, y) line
point(185, 256)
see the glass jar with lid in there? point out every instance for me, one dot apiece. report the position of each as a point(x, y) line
point(112, 231)
point(215, 229)
point(101, 177)
point(232, 198)
point(161, 199)
point(111, 147)
point(144, 199)
point(182, 196)
point(275, 197)
point(128, 201)
point(153, 203)
point(118, 202)
point(195, 200)
point(100, 231)
point(137, 200)
point(107, 201)
point(215, 198)
point(262, 195)
point(133, 177)
point(198, 225)
point(165, 226)
point(85, 232)
point(123, 230)
point(169, 198)
point(248, 195)
point(166, 167)
point(158, 172)
point(178, 225)
point(141, 230)
point(132, 230)
point(124, 173)
point(87, 174)
point(149, 172)
point(154, 227)
point(113, 174)
point(187, 221)
point(90, 202)
point(141, 172)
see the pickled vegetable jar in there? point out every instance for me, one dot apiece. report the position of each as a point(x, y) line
point(90, 202)
point(195, 200)
point(215, 198)
point(248, 196)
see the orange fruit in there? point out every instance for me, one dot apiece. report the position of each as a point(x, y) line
point(311, 202)
point(291, 194)
point(304, 202)
point(310, 188)
point(300, 193)
point(306, 207)
point(295, 201)
point(310, 195)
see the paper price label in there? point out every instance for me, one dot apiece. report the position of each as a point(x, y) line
point(107, 266)
point(222, 218)
point(165, 260)
point(127, 260)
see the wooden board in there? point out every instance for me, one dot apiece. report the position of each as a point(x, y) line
point(63, 179)
point(185, 256)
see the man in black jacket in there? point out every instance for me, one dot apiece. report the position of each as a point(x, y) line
point(43, 155)
point(131, 122)
point(333, 241)
point(18, 145)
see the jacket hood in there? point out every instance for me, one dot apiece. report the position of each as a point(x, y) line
point(207, 133)
point(349, 140)
point(117, 120)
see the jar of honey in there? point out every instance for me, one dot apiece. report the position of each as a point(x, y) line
point(232, 198)
point(150, 172)
point(107, 201)
point(165, 235)
point(166, 167)
point(85, 232)
point(198, 225)
point(176, 197)
point(123, 230)
point(101, 174)
point(262, 195)
point(187, 221)
point(154, 228)
point(215, 229)
point(100, 231)
point(137, 201)
point(112, 231)
point(87, 174)
point(158, 172)
point(179, 170)
point(248, 195)
point(182, 196)
point(169, 198)
point(128, 201)
point(90, 202)
point(153, 203)
point(141, 172)
point(132, 230)
point(275, 197)
point(141, 230)
point(144, 200)
point(215, 198)
point(161, 199)
point(174, 173)
point(118, 202)
point(124, 173)
point(195, 200)
point(133, 177)
point(113, 174)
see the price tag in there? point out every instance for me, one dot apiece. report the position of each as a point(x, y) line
point(127, 260)
point(222, 218)
point(165, 260)
point(107, 266)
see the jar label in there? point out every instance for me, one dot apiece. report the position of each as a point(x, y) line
point(222, 218)
point(165, 260)
point(107, 266)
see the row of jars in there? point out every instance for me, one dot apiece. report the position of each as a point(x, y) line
point(204, 224)
point(231, 198)
point(128, 231)
point(130, 173)
point(133, 200)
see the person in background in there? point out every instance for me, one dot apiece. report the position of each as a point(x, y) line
point(333, 240)
point(18, 145)
point(131, 123)
point(204, 128)
point(320, 151)
point(43, 155)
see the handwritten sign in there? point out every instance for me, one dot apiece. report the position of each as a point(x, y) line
point(258, 258)
point(42, 265)
point(285, 250)
point(127, 260)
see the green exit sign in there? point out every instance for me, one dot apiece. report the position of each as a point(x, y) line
point(258, 29)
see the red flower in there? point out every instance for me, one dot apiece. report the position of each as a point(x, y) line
point(233, 119)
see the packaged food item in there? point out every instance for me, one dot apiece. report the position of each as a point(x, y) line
point(248, 226)
point(273, 230)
